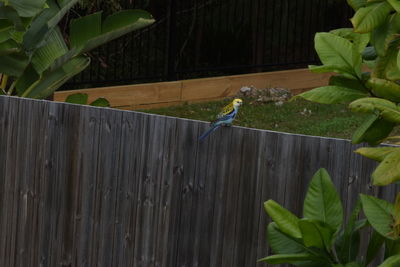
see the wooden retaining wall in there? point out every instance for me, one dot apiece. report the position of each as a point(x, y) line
point(85, 186)
point(152, 95)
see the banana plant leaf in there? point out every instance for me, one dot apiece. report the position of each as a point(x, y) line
point(53, 80)
point(10, 14)
point(54, 48)
point(8, 47)
point(28, 8)
point(13, 64)
point(43, 24)
point(89, 32)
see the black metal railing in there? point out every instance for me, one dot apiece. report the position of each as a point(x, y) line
point(202, 38)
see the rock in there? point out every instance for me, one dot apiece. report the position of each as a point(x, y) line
point(265, 95)
point(245, 89)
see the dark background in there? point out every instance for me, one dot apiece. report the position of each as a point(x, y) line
point(204, 38)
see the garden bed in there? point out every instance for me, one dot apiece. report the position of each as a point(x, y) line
point(161, 94)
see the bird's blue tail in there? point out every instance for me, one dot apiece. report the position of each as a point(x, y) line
point(212, 129)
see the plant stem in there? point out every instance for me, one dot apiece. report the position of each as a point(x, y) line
point(30, 88)
point(11, 90)
point(4, 79)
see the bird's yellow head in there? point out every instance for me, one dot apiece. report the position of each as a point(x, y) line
point(237, 102)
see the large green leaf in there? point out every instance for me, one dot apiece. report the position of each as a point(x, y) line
point(338, 51)
point(64, 58)
point(357, 4)
point(382, 36)
point(28, 8)
point(9, 13)
point(41, 26)
point(373, 130)
point(29, 77)
point(359, 40)
point(53, 80)
point(368, 18)
point(282, 243)
point(386, 66)
point(286, 221)
point(385, 89)
point(46, 55)
point(36, 34)
point(332, 94)
point(376, 153)
point(84, 29)
point(387, 109)
point(388, 171)
point(316, 234)
point(113, 27)
point(379, 214)
point(13, 64)
point(322, 202)
point(393, 261)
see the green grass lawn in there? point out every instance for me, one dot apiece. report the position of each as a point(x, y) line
point(298, 116)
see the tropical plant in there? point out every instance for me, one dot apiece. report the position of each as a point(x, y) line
point(36, 59)
point(321, 239)
point(366, 61)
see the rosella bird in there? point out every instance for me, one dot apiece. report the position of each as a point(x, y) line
point(224, 118)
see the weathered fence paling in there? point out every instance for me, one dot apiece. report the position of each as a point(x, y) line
point(85, 186)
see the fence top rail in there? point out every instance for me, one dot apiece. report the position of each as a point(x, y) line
point(54, 103)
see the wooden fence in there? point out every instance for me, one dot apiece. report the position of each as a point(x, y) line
point(153, 95)
point(86, 186)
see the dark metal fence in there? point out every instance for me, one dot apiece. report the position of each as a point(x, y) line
point(201, 38)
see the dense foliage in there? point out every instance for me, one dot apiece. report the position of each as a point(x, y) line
point(36, 59)
point(366, 61)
